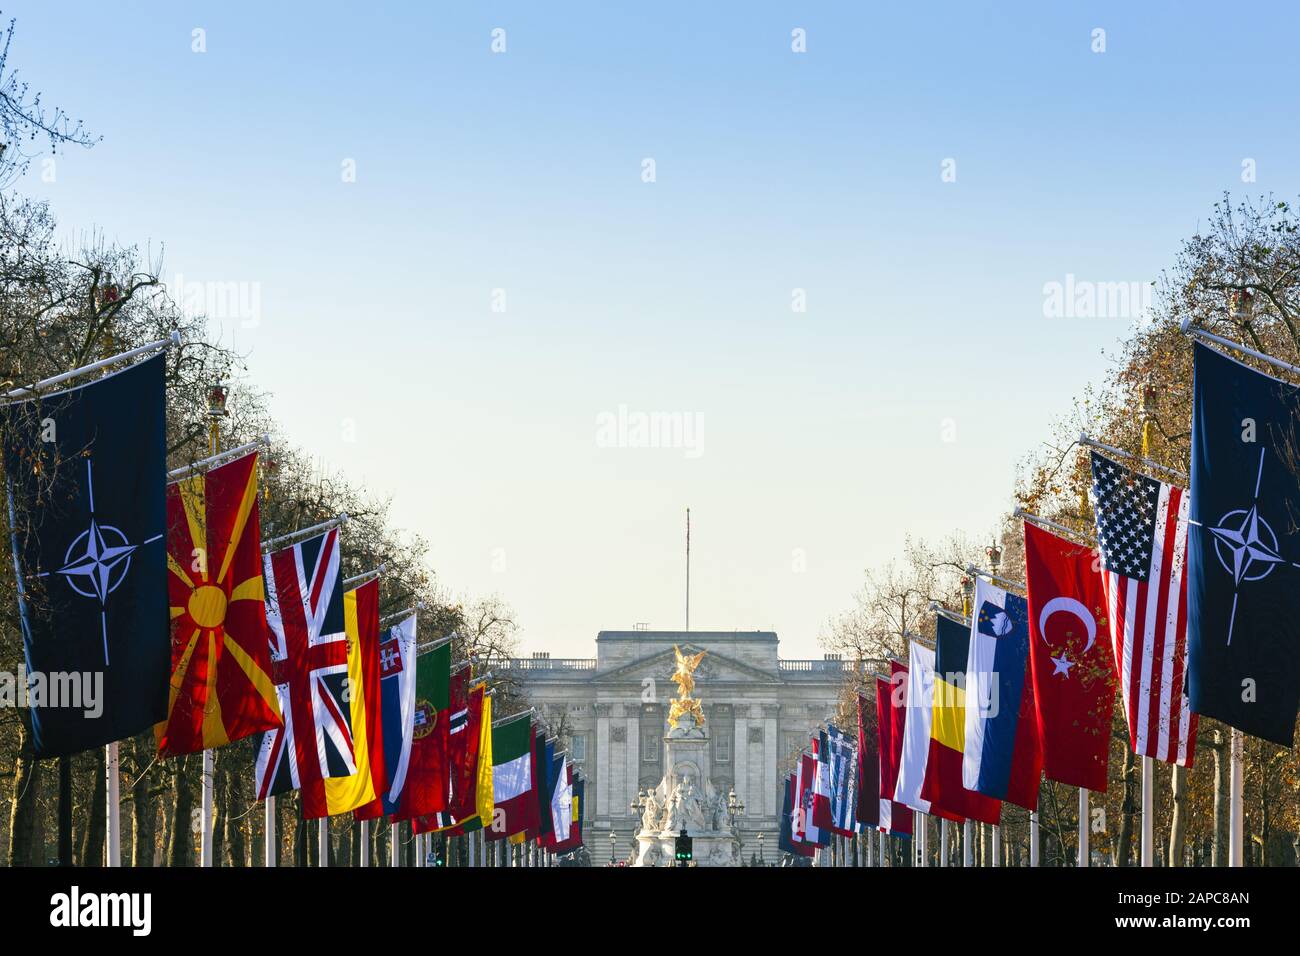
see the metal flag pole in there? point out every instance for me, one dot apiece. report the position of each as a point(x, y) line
point(359, 579)
point(275, 543)
point(365, 843)
point(1199, 333)
point(922, 847)
point(967, 847)
point(1121, 453)
point(29, 390)
point(881, 848)
point(394, 849)
point(1083, 826)
point(1148, 803)
point(112, 788)
point(207, 464)
point(1236, 828)
point(997, 845)
point(324, 852)
point(688, 570)
point(943, 841)
point(207, 779)
point(1033, 838)
point(272, 847)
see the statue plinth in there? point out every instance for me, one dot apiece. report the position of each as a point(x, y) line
point(686, 799)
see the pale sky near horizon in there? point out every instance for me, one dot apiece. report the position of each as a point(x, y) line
point(815, 440)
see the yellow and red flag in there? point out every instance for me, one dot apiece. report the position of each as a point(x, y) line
point(221, 687)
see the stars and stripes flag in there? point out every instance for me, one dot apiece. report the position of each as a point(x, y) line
point(309, 662)
point(221, 688)
point(1142, 540)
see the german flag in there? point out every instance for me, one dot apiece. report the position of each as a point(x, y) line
point(221, 688)
point(943, 782)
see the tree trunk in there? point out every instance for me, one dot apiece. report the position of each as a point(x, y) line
point(1128, 803)
point(23, 848)
point(1219, 850)
point(182, 848)
point(143, 818)
point(92, 841)
point(1178, 822)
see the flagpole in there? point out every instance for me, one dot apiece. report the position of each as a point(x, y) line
point(114, 807)
point(1235, 818)
point(207, 778)
point(925, 838)
point(1083, 826)
point(26, 390)
point(967, 856)
point(1033, 838)
point(365, 843)
point(324, 849)
point(1148, 804)
point(997, 845)
point(274, 543)
point(394, 850)
point(270, 849)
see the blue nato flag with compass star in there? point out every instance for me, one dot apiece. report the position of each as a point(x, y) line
point(1243, 549)
point(86, 473)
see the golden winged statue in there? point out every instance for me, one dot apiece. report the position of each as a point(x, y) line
point(684, 678)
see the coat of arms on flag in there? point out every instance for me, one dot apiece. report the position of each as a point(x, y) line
point(221, 688)
point(309, 660)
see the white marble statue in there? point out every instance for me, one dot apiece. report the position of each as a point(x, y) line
point(686, 810)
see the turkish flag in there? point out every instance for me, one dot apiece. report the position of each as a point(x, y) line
point(1074, 678)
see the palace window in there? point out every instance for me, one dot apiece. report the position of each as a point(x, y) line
point(722, 748)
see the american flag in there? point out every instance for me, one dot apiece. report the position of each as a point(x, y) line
point(1142, 539)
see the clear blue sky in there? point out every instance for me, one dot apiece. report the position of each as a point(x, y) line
point(819, 431)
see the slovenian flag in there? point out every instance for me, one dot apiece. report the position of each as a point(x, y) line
point(1002, 758)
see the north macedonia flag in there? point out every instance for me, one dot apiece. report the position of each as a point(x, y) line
point(221, 688)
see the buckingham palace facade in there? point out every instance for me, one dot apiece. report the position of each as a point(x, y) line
point(613, 709)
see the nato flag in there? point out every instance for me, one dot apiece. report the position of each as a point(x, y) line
point(86, 473)
point(1243, 580)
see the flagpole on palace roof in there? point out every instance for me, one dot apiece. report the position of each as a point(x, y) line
point(38, 387)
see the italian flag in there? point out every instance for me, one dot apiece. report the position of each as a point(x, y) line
point(513, 796)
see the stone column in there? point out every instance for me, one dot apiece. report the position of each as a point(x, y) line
point(602, 780)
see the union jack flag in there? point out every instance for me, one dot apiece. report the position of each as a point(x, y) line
point(1142, 540)
point(309, 661)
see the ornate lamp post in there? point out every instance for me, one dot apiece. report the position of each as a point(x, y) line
point(761, 861)
point(637, 809)
point(994, 552)
point(735, 808)
point(1241, 306)
point(613, 839)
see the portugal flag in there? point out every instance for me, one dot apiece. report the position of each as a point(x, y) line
point(221, 688)
point(427, 784)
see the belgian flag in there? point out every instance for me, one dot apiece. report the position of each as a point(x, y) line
point(943, 780)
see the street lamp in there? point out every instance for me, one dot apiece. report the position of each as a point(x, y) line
point(761, 861)
point(613, 839)
point(994, 552)
point(1241, 306)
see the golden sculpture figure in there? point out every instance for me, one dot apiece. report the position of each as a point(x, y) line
point(684, 678)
